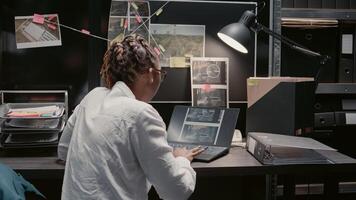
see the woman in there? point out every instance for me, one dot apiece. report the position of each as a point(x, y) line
point(114, 144)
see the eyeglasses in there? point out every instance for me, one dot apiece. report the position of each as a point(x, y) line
point(162, 72)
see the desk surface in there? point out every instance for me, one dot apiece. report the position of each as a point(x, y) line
point(47, 166)
point(238, 162)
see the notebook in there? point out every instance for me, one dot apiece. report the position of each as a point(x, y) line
point(210, 128)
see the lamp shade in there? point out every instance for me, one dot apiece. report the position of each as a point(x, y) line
point(238, 35)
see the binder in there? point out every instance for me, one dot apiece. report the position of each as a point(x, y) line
point(271, 100)
point(287, 3)
point(300, 3)
point(342, 4)
point(275, 149)
point(346, 70)
point(328, 4)
point(314, 3)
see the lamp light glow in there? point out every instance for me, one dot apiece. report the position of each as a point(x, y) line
point(232, 43)
point(238, 35)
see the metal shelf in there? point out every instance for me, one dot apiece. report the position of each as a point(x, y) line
point(339, 14)
point(336, 88)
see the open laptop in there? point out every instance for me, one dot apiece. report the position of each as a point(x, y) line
point(211, 128)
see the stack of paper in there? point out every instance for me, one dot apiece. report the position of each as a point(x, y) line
point(43, 111)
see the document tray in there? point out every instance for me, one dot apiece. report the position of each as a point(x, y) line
point(33, 110)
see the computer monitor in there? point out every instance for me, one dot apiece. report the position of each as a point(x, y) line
point(202, 125)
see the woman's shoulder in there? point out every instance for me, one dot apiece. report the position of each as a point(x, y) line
point(134, 104)
point(136, 107)
point(99, 90)
point(96, 92)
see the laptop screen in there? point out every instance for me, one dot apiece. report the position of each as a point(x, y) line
point(201, 125)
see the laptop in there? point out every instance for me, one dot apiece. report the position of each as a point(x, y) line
point(210, 128)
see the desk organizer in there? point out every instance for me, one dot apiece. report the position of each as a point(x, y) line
point(33, 119)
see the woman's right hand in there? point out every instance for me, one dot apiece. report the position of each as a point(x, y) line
point(187, 153)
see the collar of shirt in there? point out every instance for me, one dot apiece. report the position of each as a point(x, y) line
point(124, 88)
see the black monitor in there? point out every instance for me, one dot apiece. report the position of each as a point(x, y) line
point(202, 125)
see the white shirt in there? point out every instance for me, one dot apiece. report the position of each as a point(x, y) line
point(116, 146)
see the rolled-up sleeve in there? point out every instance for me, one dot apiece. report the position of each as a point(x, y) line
point(172, 177)
point(67, 135)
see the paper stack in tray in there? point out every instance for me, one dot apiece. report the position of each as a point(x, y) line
point(41, 111)
point(27, 125)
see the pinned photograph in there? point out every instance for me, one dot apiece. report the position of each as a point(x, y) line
point(178, 43)
point(141, 7)
point(116, 28)
point(142, 30)
point(210, 81)
point(119, 8)
point(213, 97)
point(127, 17)
point(209, 71)
point(37, 31)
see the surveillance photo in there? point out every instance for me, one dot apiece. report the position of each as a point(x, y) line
point(209, 98)
point(199, 133)
point(209, 115)
point(209, 72)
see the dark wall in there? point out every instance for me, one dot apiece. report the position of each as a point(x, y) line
point(75, 65)
point(214, 16)
point(60, 67)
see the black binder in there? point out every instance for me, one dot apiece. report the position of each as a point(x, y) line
point(284, 108)
point(275, 149)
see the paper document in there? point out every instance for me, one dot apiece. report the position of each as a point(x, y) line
point(43, 111)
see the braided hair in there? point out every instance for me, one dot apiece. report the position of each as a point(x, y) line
point(124, 60)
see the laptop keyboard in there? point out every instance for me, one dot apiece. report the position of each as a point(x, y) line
point(210, 150)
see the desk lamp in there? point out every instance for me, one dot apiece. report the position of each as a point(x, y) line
point(237, 35)
point(261, 113)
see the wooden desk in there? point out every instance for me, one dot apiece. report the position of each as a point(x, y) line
point(237, 163)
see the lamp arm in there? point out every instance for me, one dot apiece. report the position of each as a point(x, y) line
point(292, 44)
